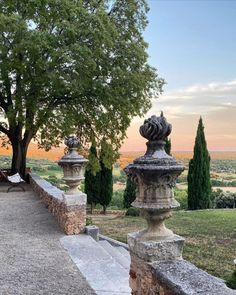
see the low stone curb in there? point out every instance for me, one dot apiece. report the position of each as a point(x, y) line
point(113, 242)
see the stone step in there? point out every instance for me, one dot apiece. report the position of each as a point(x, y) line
point(104, 274)
point(116, 254)
point(123, 251)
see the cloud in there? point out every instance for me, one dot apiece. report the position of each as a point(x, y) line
point(215, 102)
point(196, 99)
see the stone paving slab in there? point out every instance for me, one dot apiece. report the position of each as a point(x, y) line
point(104, 273)
point(32, 260)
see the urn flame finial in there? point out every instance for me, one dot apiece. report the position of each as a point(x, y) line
point(155, 128)
point(71, 141)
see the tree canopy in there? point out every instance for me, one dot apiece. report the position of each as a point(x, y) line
point(199, 183)
point(72, 67)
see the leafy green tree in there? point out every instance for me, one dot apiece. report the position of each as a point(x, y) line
point(71, 67)
point(92, 181)
point(199, 183)
point(129, 193)
point(106, 186)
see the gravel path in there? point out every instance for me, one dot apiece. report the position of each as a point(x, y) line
point(32, 260)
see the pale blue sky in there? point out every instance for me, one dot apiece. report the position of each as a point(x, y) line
point(192, 41)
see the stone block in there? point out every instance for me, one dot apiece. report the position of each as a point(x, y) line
point(92, 231)
point(184, 278)
point(79, 199)
point(159, 250)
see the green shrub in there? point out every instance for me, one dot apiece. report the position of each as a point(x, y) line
point(132, 212)
point(119, 177)
point(225, 200)
point(117, 200)
point(231, 282)
point(89, 221)
point(182, 198)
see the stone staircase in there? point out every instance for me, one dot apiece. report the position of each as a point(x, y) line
point(104, 265)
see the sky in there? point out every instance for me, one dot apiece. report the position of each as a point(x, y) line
point(192, 44)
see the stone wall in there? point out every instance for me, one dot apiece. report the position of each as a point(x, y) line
point(178, 277)
point(155, 276)
point(71, 215)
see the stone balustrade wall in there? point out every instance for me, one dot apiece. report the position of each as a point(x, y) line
point(71, 217)
point(176, 277)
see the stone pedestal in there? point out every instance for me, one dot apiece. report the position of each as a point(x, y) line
point(155, 175)
point(74, 201)
point(146, 253)
point(92, 231)
point(159, 250)
point(74, 217)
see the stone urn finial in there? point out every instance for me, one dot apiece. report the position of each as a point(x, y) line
point(71, 142)
point(72, 164)
point(155, 175)
point(155, 128)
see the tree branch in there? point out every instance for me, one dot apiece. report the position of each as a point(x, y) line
point(3, 104)
point(4, 130)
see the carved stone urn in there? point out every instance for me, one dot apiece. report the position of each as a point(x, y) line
point(155, 175)
point(73, 165)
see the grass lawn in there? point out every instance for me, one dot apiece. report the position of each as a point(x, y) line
point(210, 236)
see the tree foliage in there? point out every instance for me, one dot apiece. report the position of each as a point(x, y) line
point(92, 181)
point(129, 193)
point(72, 67)
point(199, 184)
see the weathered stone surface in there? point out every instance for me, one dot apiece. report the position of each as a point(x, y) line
point(79, 199)
point(150, 251)
point(92, 231)
point(116, 254)
point(102, 271)
point(114, 242)
point(72, 164)
point(184, 278)
point(141, 280)
point(70, 211)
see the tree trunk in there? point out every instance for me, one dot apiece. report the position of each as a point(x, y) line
point(19, 151)
point(104, 209)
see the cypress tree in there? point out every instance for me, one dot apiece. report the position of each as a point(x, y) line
point(168, 146)
point(92, 178)
point(168, 141)
point(199, 183)
point(106, 178)
point(129, 193)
